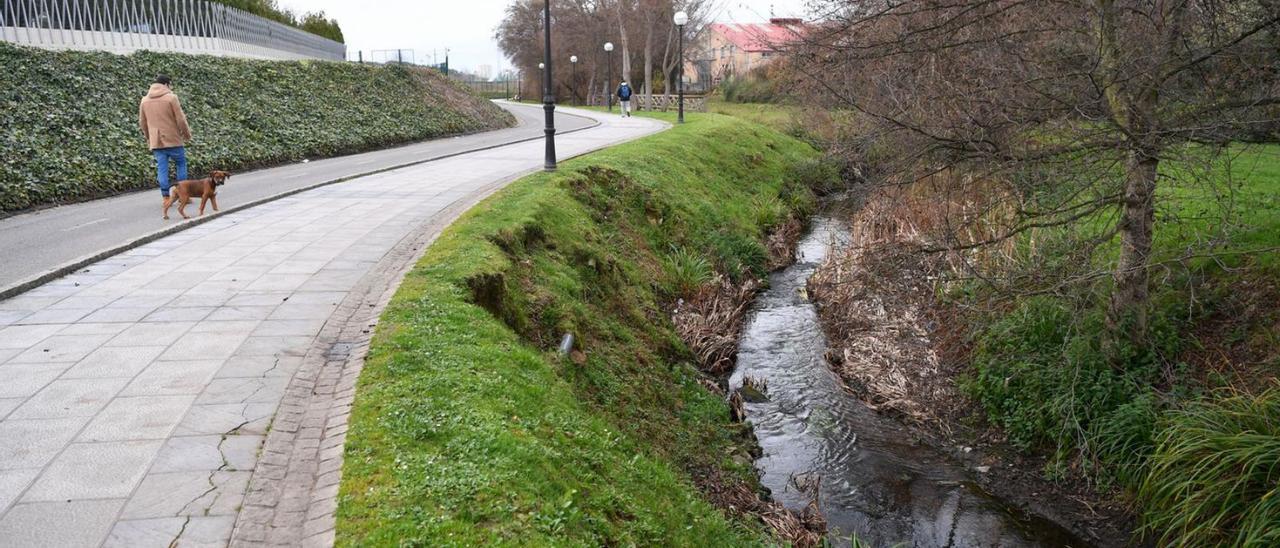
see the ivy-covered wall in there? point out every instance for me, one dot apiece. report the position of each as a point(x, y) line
point(69, 120)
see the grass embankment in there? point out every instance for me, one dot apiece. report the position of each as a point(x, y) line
point(469, 428)
point(1170, 425)
point(70, 118)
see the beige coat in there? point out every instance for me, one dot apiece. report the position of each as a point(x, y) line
point(161, 119)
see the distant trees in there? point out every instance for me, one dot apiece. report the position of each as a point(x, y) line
point(1052, 113)
point(641, 30)
point(313, 22)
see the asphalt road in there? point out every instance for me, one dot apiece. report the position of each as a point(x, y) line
point(35, 243)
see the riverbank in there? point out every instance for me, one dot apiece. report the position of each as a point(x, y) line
point(1017, 387)
point(471, 427)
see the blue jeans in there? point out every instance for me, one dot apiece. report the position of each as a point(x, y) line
point(163, 156)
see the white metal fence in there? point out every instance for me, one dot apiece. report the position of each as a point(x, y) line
point(189, 26)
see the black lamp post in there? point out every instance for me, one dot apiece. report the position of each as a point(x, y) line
point(573, 83)
point(548, 95)
point(681, 19)
point(608, 81)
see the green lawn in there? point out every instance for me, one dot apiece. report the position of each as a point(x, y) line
point(469, 428)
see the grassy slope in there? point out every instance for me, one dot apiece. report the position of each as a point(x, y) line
point(468, 427)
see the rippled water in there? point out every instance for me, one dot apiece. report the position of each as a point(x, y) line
point(874, 481)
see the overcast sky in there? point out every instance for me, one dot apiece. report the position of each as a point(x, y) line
point(465, 26)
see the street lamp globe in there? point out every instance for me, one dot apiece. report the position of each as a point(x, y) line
point(542, 66)
point(608, 46)
point(681, 18)
point(573, 58)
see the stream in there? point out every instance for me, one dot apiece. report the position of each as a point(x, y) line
point(873, 479)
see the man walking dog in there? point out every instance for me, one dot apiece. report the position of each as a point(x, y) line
point(164, 126)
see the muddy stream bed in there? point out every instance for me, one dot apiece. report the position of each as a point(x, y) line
point(873, 479)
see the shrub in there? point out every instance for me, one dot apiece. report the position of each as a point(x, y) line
point(1040, 374)
point(749, 89)
point(70, 118)
point(1215, 474)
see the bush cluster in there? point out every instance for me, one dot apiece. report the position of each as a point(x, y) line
point(70, 119)
point(1041, 374)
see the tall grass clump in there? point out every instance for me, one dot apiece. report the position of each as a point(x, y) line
point(688, 270)
point(1215, 474)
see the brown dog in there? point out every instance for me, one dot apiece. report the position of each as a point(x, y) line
point(206, 189)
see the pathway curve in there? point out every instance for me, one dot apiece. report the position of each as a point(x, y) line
point(196, 388)
point(38, 243)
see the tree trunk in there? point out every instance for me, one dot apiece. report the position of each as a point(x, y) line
point(648, 59)
point(1127, 310)
point(626, 49)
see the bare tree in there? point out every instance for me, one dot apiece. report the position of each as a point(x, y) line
point(1049, 113)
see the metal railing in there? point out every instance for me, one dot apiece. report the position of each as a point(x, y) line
point(189, 26)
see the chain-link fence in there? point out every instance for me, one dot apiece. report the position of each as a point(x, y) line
point(189, 26)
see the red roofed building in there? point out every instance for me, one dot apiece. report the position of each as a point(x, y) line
point(729, 49)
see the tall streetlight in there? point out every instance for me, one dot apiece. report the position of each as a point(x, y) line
point(548, 95)
point(608, 82)
point(680, 20)
point(573, 84)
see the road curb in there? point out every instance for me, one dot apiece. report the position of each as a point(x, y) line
point(23, 286)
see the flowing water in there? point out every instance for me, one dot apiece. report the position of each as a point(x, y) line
point(873, 481)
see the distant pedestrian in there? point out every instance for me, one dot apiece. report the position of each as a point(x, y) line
point(164, 126)
point(624, 98)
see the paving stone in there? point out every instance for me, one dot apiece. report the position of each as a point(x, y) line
point(204, 346)
point(173, 378)
point(12, 483)
point(28, 302)
point(259, 298)
point(6, 353)
point(9, 404)
point(50, 315)
point(33, 443)
point(69, 398)
point(244, 390)
point(61, 348)
point(83, 328)
point(187, 494)
point(59, 524)
point(116, 314)
point(137, 418)
point(297, 266)
point(114, 362)
point(227, 313)
point(204, 453)
point(179, 314)
point(275, 346)
point(252, 418)
point(298, 311)
point(25, 379)
point(260, 366)
point(278, 282)
point(233, 327)
point(94, 471)
point(197, 532)
point(26, 336)
point(151, 334)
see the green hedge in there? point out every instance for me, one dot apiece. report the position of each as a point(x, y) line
point(70, 119)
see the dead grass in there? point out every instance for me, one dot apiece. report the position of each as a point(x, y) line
point(805, 529)
point(782, 243)
point(878, 297)
point(711, 321)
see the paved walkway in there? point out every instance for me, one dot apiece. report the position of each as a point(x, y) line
point(195, 389)
point(37, 242)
